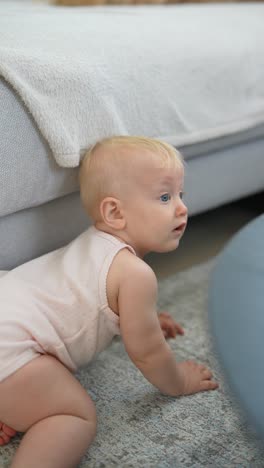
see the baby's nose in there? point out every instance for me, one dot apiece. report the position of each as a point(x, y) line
point(181, 208)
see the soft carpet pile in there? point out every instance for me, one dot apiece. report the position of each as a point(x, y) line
point(139, 427)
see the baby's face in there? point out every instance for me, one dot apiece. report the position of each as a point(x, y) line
point(155, 213)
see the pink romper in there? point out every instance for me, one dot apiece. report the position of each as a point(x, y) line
point(57, 304)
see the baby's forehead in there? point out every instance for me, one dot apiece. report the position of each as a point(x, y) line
point(154, 178)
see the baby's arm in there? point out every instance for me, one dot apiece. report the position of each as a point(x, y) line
point(144, 340)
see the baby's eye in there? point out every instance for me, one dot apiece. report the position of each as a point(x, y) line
point(165, 197)
point(181, 195)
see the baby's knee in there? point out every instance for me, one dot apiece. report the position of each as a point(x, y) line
point(89, 430)
point(88, 413)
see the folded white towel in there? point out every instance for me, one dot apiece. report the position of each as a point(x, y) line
point(184, 73)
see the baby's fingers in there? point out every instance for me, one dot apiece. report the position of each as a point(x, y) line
point(174, 329)
point(206, 379)
point(178, 329)
point(206, 373)
point(208, 385)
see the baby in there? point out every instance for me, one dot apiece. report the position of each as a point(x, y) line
point(60, 310)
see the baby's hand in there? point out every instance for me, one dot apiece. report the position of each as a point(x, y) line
point(196, 378)
point(168, 325)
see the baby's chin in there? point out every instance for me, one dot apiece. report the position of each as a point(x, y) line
point(170, 247)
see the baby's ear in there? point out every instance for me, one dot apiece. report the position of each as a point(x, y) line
point(112, 213)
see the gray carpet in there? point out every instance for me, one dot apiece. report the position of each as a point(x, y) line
point(139, 427)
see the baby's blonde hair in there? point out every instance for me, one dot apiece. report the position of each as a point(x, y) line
point(106, 167)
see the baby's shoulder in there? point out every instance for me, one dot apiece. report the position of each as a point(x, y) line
point(128, 271)
point(128, 267)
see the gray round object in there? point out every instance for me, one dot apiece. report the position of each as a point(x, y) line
point(236, 316)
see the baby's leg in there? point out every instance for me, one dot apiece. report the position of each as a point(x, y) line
point(45, 400)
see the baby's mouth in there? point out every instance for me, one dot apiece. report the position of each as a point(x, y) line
point(180, 227)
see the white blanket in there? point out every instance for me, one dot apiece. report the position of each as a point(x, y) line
point(184, 73)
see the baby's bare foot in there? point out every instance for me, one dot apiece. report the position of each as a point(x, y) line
point(6, 433)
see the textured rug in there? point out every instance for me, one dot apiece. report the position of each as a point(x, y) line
point(139, 427)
